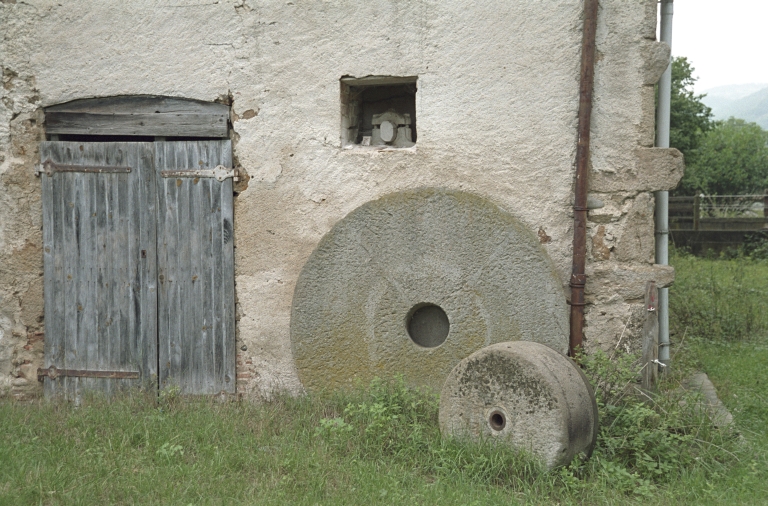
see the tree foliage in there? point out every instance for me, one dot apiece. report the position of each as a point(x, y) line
point(721, 157)
point(690, 119)
point(732, 158)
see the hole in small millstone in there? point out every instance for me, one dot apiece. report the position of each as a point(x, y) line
point(427, 325)
point(497, 420)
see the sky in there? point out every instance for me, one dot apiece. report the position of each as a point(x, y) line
point(725, 40)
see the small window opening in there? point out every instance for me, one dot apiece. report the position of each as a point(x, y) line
point(378, 111)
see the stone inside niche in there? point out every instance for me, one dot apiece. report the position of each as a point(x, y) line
point(393, 129)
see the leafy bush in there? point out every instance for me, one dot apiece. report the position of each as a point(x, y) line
point(731, 159)
point(756, 246)
point(645, 438)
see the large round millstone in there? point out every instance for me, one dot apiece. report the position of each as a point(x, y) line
point(525, 395)
point(415, 281)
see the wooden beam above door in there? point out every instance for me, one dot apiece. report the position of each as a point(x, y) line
point(138, 116)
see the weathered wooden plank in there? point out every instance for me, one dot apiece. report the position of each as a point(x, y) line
point(164, 244)
point(209, 154)
point(168, 125)
point(212, 218)
point(227, 374)
point(71, 252)
point(650, 356)
point(144, 278)
point(170, 249)
point(91, 225)
point(207, 286)
point(91, 293)
point(51, 274)
point(168, 307)
point(199, 359)
point(101, 278)
point(188, 336)
point(143, 104)
point(378, 80)
point(199, 343)
point(64, 245)
point(112, 336)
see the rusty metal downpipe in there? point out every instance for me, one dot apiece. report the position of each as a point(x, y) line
point(586, 85)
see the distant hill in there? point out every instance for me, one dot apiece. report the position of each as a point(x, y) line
point(745, 101)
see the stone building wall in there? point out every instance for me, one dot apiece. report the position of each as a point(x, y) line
point(496, 113)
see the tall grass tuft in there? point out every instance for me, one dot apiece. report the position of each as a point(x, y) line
point(719, 299)
point(393, 421)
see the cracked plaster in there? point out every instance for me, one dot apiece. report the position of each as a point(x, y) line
point(496, 106)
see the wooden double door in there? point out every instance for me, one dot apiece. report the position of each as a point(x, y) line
point(139, 266)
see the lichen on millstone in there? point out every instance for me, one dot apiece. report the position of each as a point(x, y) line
point(395, 258)
point(524, 395)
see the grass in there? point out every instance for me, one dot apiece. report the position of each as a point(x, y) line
point(381, 444)
point(297, 451)
point(719, 324)
point(721, 300)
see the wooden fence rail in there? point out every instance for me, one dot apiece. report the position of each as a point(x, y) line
point(717, 221)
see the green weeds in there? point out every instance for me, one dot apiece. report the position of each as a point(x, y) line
point(649, 439)
point(378, 445)
point(381, 444)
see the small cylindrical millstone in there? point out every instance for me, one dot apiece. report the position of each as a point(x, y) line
point(523, 394)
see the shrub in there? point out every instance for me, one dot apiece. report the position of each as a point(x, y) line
point(645, 438)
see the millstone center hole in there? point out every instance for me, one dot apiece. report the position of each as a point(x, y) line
point(497, 421)
point(427, 325)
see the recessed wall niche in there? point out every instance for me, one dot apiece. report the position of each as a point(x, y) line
point(378, 111)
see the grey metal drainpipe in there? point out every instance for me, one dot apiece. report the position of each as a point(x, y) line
point(662, 198)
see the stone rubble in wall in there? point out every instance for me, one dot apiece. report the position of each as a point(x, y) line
point(621, 228)
point(21, 294)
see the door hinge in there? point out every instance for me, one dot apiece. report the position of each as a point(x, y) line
point(53, 372)
point(220, 173)
point(49, 167)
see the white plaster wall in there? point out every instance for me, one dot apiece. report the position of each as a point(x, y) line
point(496, 113)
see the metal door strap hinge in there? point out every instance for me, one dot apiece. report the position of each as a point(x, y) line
point(220, 173)
point(49, 167)
point(53, 372)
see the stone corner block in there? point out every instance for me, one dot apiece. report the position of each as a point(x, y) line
point(626, 280)
point(648, 26)
point(656, 169)
point(655, 61)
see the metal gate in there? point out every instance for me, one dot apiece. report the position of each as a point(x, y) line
point(139, 266)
